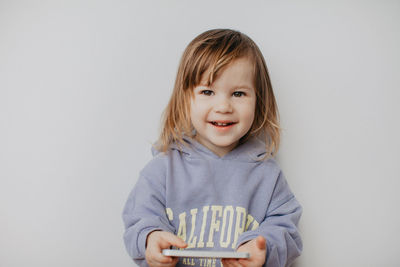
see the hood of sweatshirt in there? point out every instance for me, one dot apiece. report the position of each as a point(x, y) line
point(251, 151)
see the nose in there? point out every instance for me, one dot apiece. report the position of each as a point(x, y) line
point(223, 105)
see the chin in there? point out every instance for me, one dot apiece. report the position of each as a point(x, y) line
point(225, 143)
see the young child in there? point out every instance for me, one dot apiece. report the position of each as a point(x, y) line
point(213, 184)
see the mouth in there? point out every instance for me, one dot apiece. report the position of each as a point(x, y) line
point(222, 124)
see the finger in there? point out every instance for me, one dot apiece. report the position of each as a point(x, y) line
point(226, 263)
point(170, 264)
point(174, 261)
point(159, 264)
point(244, 262)
point(231, 263)
point(173, 240)
point(261, 242)
point(235, 263)
point(157, 257)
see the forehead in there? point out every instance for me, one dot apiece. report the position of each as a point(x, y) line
point(239, 71)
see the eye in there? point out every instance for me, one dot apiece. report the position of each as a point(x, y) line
point(207, 92)
point(238, 94)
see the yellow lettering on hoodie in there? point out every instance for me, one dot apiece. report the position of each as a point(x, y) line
point(225, 244)
point(215, 224)
point(240, 224)
point(169, 213)
point(255, 225)
point(203, 227)
point(250, 219)
point(182, 226)
point(192, 239)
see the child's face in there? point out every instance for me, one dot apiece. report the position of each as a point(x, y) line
point(224, 112)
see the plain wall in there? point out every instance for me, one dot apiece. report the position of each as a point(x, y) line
point(83, 85)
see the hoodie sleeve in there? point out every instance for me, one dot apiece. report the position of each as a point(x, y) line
point(143, 213)
point(279, 227)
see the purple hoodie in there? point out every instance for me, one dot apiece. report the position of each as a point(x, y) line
point(214, 203)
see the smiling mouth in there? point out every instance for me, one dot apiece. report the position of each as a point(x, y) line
point(222, 124)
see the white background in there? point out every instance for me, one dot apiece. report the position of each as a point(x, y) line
point(83, 85)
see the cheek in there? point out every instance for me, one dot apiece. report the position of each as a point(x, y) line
point(195, 115)
point(197, 110)
point(248, 112)
point(250, 119)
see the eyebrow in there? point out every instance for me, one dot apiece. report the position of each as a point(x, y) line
point(244, 87)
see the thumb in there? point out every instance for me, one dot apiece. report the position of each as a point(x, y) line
point(175, 241)
point(261, 242)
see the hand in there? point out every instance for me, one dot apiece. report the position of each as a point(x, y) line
point(156, 242)
point(257, 249)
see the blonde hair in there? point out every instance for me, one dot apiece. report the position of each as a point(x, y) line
point(210, 52)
